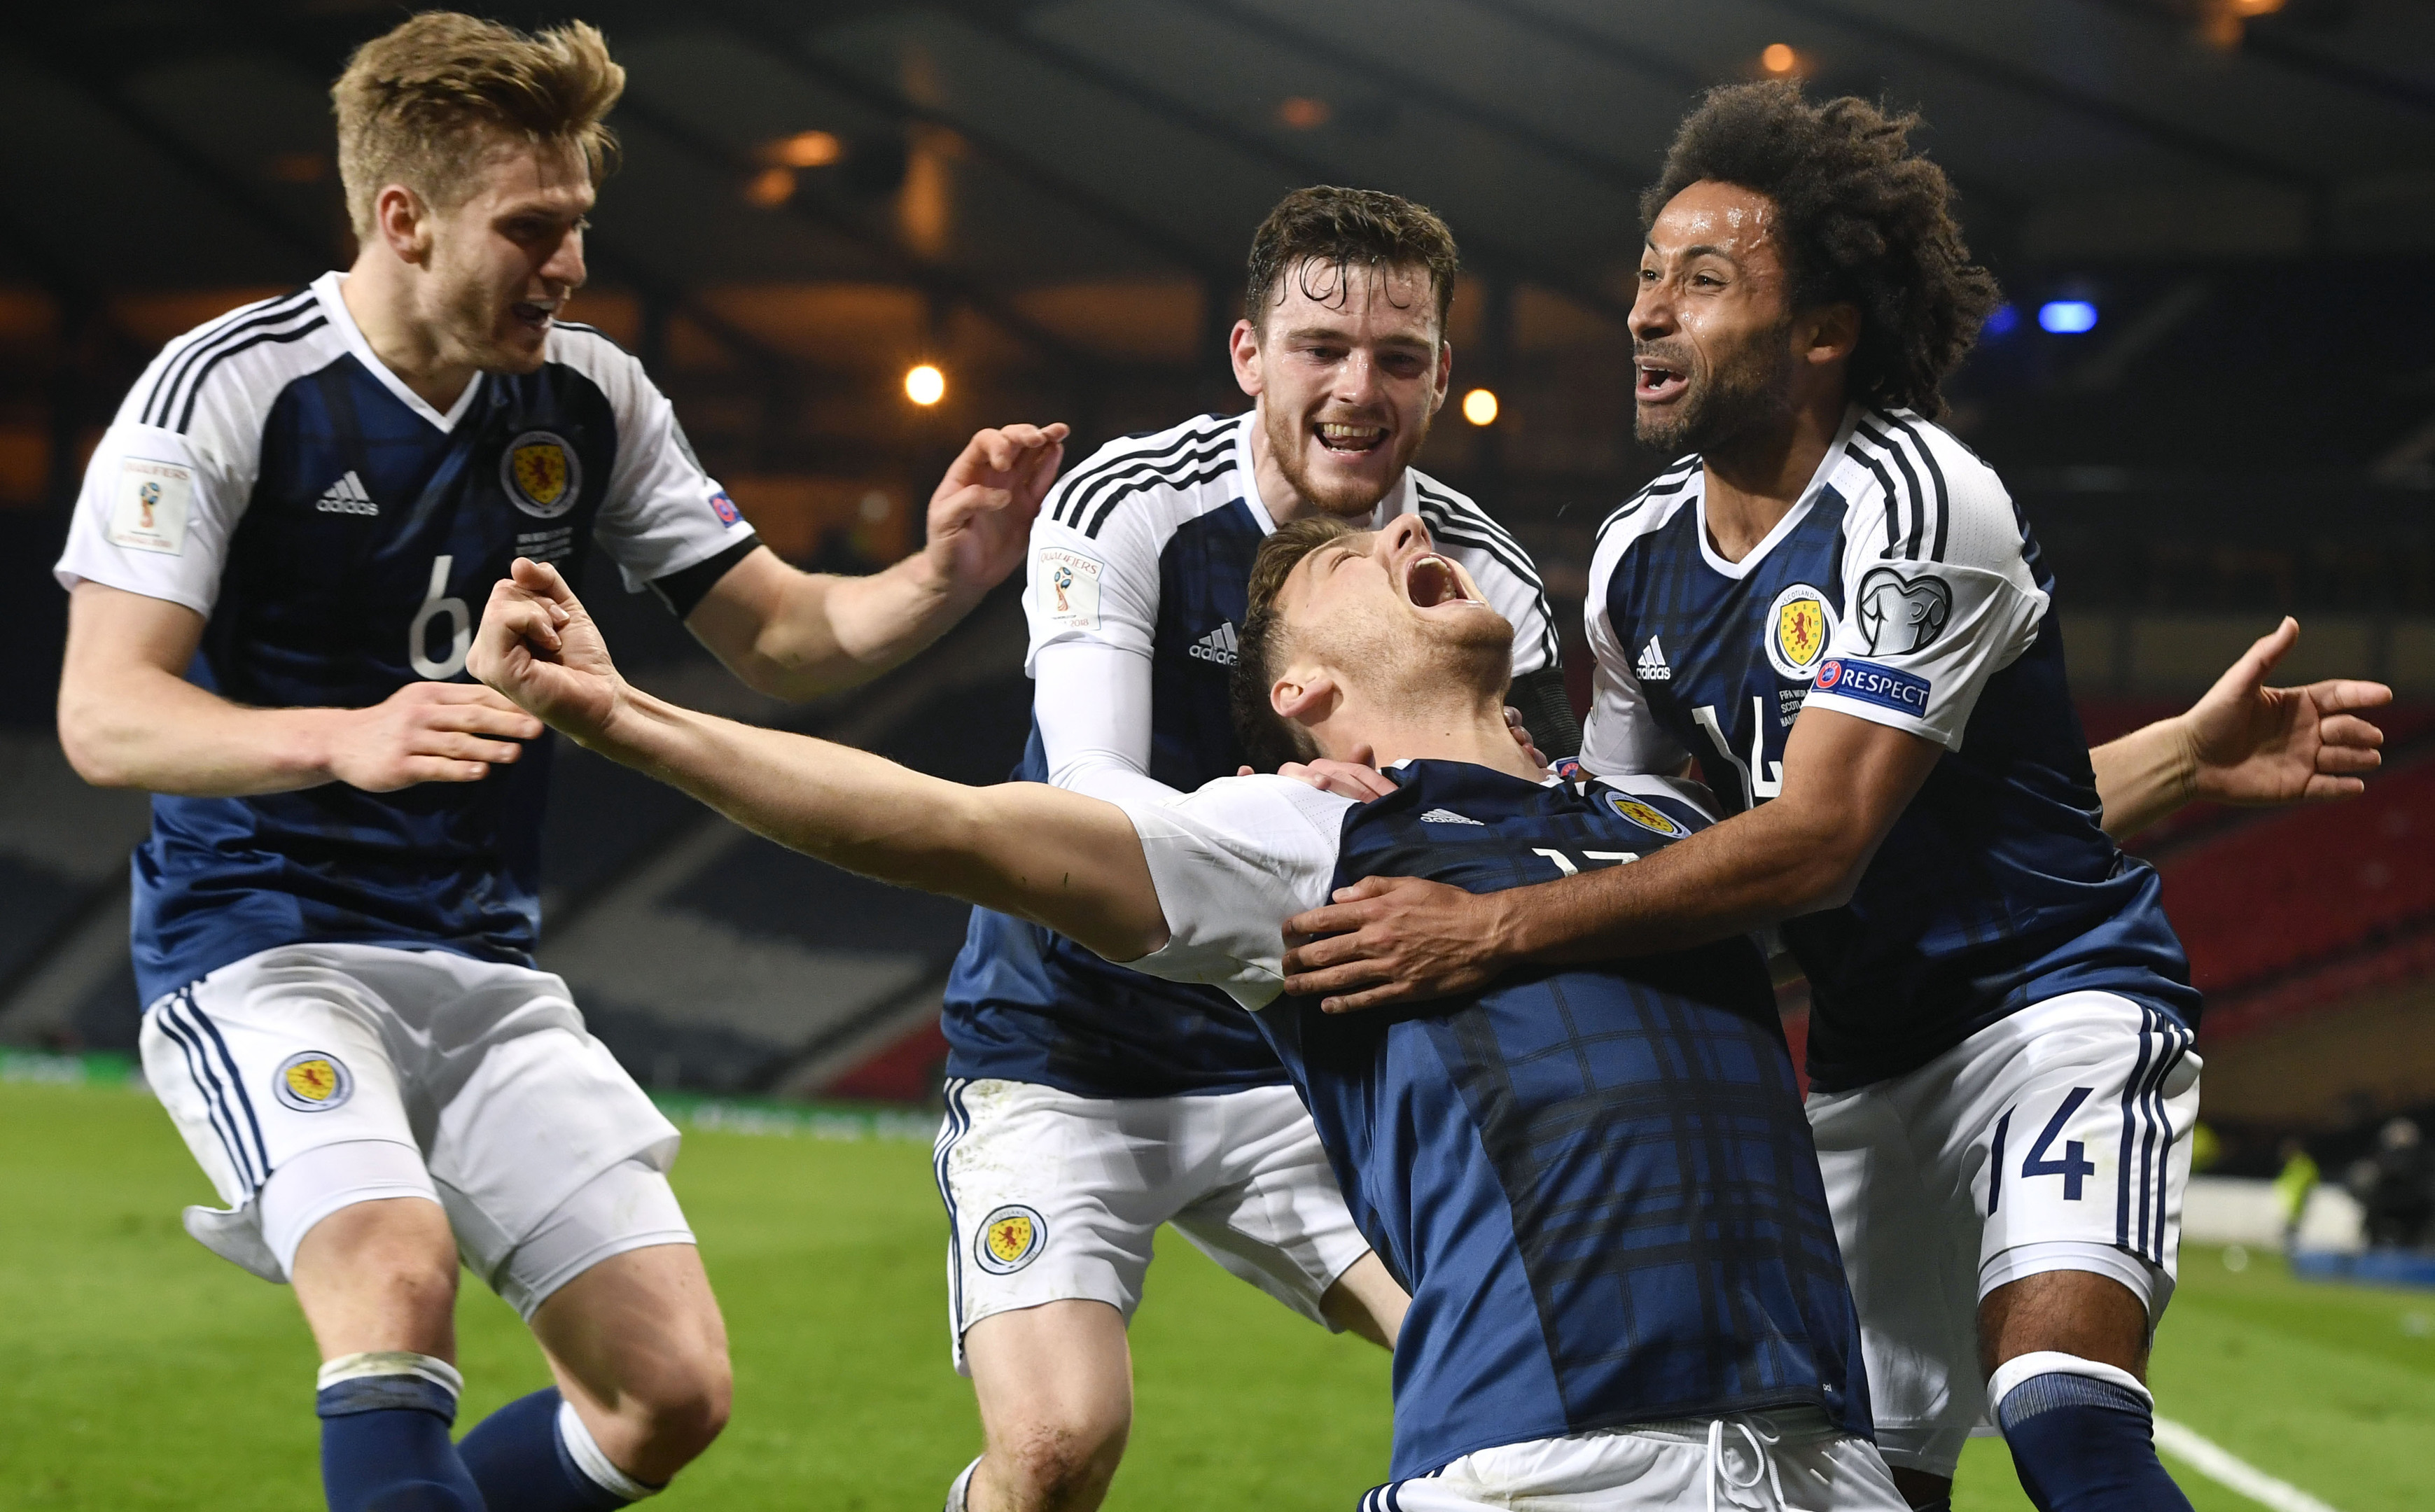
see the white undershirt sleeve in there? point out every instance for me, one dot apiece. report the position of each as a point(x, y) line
point(1091, 702)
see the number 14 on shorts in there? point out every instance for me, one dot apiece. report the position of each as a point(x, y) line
point(2073, 1167)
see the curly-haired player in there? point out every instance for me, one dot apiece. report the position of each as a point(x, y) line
point(1834, 607)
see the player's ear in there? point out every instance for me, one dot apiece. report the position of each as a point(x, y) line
point(1243, 350)
point(1829, 333)
point(1303, 695)
point(401, 220)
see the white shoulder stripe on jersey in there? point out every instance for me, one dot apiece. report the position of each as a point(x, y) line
point(1086, 507)
point(199, 345)
point(1663, 486)
point(193, 388)
point(1462, 509)
point(1075, 492)
point(1906, 505)
point(1447, 526)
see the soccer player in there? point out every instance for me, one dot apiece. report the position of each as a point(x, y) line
point(1596, 1180)
point(1087, 1103)
point(1833, 606)
point(274, 570)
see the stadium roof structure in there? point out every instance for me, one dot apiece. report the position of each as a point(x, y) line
point(984, 153)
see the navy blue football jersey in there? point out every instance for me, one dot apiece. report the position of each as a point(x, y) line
point(1144, 551)
point(1903, 587)
point(1596, 1181)
point(340, 537)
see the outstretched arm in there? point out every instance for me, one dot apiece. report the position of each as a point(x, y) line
point(2244, 743)
point(1070, 863)
point(794, 634)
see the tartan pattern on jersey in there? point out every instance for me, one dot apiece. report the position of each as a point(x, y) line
point(1597, 1182)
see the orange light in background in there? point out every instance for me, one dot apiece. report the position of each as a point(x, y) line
point(1479, 408)
point(299, 167)
point(1304, 113)
point(925, 385)
point(770, 188)
point(804, 149)
point(1779, 59)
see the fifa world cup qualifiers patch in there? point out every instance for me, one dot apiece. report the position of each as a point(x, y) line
point(1898, 615)
point(1010, 1239)
point(313, 1081)
point(1647, 816)
point(1069, 586)
point(1799, 625)
point(149, 512)
point(1886, 687)
point(541, 475)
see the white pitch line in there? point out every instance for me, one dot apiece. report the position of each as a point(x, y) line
point(2224, 1466)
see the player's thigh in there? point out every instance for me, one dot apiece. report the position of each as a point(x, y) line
point(1058, 1374)
point(2086, 1153)
point(1909, 1240)
point(526, 1110)
point(1051, 1197)
point(636, 1334)
point(1277, 1217)
point(278, 1063)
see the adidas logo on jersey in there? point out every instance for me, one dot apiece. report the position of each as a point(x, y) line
point(347, 496)
point(1447, 817)
point(1218, 645)
point(1651, 666)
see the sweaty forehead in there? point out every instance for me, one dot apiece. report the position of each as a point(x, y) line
point(1708, 213)
point(1399, 299)
point(543, 174)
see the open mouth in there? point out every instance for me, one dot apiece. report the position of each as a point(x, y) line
point(1431, 580)
point(534, 314)
point(1347, 438)
point(1658, 381)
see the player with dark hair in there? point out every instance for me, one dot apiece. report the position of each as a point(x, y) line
point(271, 568)
point(1596, 1180)
point(1833, 606)
point(1086, 1103)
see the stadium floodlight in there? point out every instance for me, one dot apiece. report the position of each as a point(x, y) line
point(925, 385)
point(2068, 317)
point(1779, 59)
point(806, 149)
point(1479, 408)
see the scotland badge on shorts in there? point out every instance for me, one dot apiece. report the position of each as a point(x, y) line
point(541, 475)
point(313, 1081)
point(1010, 1239)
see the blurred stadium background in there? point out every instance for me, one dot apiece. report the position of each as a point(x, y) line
point(2213, 391)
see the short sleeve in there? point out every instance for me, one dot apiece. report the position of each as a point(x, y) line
point(1101, 589)
point(1232, 863)
point(154, 517)
point(1937, 599)
point(663, 513)
point(1622, 735)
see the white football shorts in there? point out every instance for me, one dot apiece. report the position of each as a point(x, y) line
point(308, 1077)
point(2054, 1140)
point(1754, 1462)
point(1051, 1197)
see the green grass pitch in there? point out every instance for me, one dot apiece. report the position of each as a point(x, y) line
point(137, 1371)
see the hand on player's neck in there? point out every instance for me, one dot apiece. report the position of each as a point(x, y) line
point(1753, 480)
point(380, 292)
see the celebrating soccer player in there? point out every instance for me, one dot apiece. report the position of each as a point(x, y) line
point(275, 567)
point(1087, 1104)
point(1832, 606)
point(1596, 1180)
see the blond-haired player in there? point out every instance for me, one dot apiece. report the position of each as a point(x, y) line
point(275, 568)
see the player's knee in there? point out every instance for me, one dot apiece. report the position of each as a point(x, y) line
point(1058, 1463)
point(683, 1406)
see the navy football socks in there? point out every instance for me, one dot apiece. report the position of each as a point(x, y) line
point(521, 1457)
point(2082, 1437)
point(385, 1448)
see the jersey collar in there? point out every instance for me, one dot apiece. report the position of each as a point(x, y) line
point(1399, 501)
point(343, 321)
point(1819, 480)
